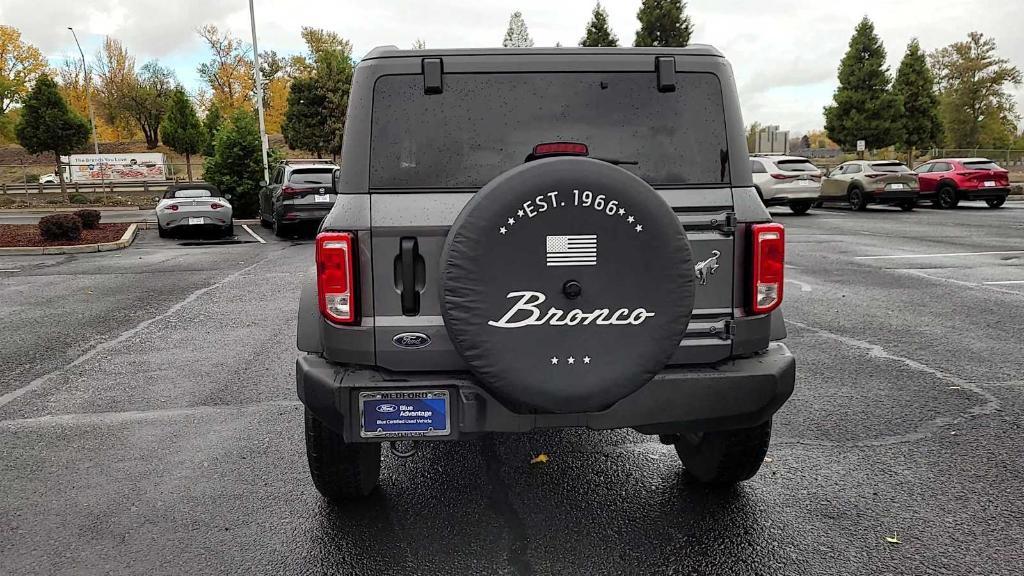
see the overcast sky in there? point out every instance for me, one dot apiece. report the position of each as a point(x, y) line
point(784, 52)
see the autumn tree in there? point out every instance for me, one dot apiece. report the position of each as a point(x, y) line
point(517, 35)
point(915, 86)
point(977, 106)
point(20, 64)
point(229, 72)
point(864, 107)
point(181, 128)
point(47, 124)
point(598, 33)
point(663, 23)
point(127, 95)
point(419, 44)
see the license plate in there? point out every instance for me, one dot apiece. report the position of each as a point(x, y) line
point(896, 186)
point(990, 184)
point(321, 197)
point(805, 182)
point(193, 220)
point(388, 414)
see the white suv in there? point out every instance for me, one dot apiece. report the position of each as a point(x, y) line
point(790, 180)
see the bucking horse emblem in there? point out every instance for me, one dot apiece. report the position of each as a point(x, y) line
point(707, 267)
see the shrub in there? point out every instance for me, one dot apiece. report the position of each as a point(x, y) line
point(7, 201)
point(90, 218)
point(78, 199)
point(60, 227)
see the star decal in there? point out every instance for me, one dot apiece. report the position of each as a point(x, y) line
point(639, 227)
point(502, 230)
point(622, 211)
point(520, 213)
point(554, 360)
point(586, 359)
point(571, 360)
point(511, 221)
point(630, 219)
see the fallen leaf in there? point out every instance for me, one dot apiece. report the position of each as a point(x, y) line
point(894, 539)
point(542, 458)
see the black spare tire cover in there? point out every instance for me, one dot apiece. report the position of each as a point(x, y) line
point(567, 284)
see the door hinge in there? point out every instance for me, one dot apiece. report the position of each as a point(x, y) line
point(726, 225)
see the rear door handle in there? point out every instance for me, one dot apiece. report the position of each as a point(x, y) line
point(410, 295)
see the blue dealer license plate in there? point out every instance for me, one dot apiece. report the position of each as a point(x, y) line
point(389, 414)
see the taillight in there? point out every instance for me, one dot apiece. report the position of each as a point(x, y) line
point(172, 207)
point(874, 175)
point(335, 276)
point(289, 192)
point(781, 177)
point(769, 255)
point(215, 206)
point(560, 148)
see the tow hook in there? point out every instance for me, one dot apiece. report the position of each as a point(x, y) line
point(407, 453)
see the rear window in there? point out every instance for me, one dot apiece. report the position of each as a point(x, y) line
point(311, 176)
point(982, 165)
point(887, 167)
point(196, 193)
point(796, 166)
point(485, 124)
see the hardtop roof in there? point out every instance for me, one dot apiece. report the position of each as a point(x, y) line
point(395, 52)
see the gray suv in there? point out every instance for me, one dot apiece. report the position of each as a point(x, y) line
point(543, 238)
point(299, 191)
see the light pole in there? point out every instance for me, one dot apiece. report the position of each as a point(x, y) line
point(88, 95)
point(259, 92)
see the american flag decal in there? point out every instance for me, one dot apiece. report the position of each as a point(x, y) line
point(580, 250)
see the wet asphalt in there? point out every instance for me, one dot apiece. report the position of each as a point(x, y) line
point(149, 425)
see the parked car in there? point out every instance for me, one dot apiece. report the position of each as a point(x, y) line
point(49, 178)
point(947, 181)
point(786, 180)
point(193, 206)
point(298, 191)
point(481, 274)
point(864, 182)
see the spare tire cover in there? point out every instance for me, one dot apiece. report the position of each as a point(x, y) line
point(567, 284)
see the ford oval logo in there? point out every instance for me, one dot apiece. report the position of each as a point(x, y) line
point(411, 340)
point(387, 408)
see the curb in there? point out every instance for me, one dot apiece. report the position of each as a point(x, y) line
point(151, 224)
point(124, 242)
point(58, 210)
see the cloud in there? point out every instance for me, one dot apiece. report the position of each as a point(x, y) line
point(784, 53)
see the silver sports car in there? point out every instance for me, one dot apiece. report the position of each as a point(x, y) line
point(193, 205)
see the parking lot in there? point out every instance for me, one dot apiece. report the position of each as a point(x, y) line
point(149, 424)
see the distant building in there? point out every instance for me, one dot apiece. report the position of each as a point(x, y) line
point(771, 140)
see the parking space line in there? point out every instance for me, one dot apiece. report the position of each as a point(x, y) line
point(938, 255)
point(804, 286)
point(10, 270)
point(1006, 282)
point(253, 234)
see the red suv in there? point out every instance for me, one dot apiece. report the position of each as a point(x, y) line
point(947, 181)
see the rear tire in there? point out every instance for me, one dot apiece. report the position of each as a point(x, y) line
point(858, 201)
point(340, 471)
point(800, 207)
point(280, 228)
point(908, 205)
point(162, 232)
point(946, 197)
point(726, 457)
point(228, 230)
point(995, 202)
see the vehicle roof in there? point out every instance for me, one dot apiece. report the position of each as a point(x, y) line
point(309, 164)
point(961, 160)
point(778, 157)
point(873, 162)
point(395, 52)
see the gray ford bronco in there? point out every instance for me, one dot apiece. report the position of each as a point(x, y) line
point(543, 238)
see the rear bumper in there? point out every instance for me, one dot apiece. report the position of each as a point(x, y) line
point(732, 394)
point(787, 199)
point(891, 196)
point(303, 212)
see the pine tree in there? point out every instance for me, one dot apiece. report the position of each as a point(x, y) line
point(663, 23)
point(864, 107)
point(236, 166)
point(303, 124)
point(211, 123)
point(517, 36)
point(598, 32)
point(915, 85)
point(48, 125)
point(181, 129)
